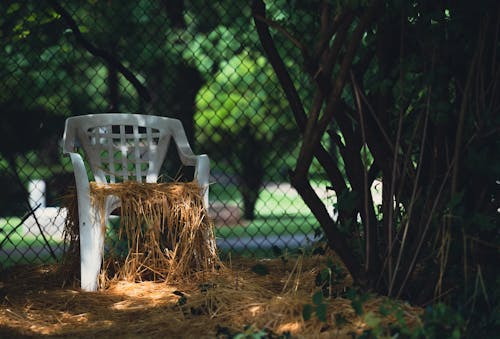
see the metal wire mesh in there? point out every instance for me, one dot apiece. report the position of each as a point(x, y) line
point(196, 61)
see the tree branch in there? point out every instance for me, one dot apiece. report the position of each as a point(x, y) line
point(336, 240)
point(315, 130)
point(281, 29)
point(258, 10)
point(101, 53)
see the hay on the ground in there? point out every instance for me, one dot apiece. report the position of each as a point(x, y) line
point(208, 301)
point(224, 303)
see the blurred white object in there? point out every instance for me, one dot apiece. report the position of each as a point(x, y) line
point(36, 190)
point(50, 219)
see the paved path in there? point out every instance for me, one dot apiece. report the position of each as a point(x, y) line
point(266, 242)
point(25, 254)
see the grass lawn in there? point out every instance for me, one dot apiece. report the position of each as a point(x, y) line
point(278, 212)
point(11, 240)
point(17, 238)
point(288, 224)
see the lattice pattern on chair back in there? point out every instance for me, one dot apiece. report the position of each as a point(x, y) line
point(121, 147)
point(126, 152)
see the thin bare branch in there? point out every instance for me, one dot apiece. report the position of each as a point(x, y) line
point(291, 93)
point(342, 19)
point(412, 199)
point(335, 239)
point(281, 29)
point(369, 236)
point(325, 159)
point(101, 53)
point(423, 236)
point(315, 130)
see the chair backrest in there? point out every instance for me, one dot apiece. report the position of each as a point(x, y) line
point(122, 146)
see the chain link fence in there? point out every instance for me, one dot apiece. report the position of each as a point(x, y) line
point(198, 62)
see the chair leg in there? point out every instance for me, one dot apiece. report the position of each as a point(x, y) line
point(91, 250)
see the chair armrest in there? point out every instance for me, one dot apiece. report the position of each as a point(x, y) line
point(188, 158)
point(201, 165)
point(69, 138)
point(82, 185)
point(202, 175)
point(186, 154)
point(200, 162)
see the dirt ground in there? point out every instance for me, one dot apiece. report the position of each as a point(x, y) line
point(265, 297)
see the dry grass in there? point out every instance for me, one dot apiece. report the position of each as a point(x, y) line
point(190, 293)
point(36, 301)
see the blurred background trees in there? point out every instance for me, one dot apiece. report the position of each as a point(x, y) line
point(245, 123)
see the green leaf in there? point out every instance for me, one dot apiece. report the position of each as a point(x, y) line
point(260, 334)
point(340, 320)
point(325, 274)
point(24, 34)
point(260, 269)
point(456, 333)
point(13, 8)
point(351, 294)
point(330, 263)
point(321, 312)
point(384, 310)
point(317, 298)
point(372, 320)
point(357, 305)
point(455, 200)
point(182, 298)
point(83, 29)
point(31, 18)
point(306, 312)
point(366, 156)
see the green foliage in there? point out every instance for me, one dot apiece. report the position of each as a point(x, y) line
point(182, 298)
point(329, 278)
point(374, 323)
point(416, 112)
point(249, 332)
point(318, 307)
point(241, 110)
point(249, 95)
point(357, 300)
point(442, 321)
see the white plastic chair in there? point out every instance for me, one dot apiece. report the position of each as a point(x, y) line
point(120, 147)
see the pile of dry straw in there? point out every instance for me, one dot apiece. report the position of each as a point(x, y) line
point(165, 226)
